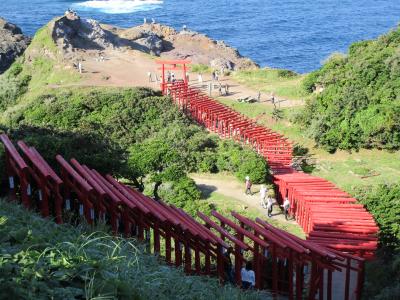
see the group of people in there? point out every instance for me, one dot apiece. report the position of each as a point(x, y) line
point(246, 273)
point(266, 200)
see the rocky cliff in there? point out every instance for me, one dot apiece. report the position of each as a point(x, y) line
point(72, 33)
point(12, 44)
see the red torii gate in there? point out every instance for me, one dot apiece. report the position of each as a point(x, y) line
point(172, 65)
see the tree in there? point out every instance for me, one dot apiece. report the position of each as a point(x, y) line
point(158, 161)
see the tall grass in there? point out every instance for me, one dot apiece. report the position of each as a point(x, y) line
point(42, 260)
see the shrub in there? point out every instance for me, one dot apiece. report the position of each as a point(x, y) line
point(383, 274)
point(184, 194)
point(242, 162)
point(383, 201)
point(283, 73)
point(358, 107)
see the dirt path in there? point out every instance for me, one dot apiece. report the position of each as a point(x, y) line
point(128, 68)
point(231, 188)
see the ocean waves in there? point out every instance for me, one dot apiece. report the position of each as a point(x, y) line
point(119, 6)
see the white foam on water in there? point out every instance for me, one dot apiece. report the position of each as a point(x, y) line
point(119, 6)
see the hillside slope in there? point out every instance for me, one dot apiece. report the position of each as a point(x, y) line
point(359, 106)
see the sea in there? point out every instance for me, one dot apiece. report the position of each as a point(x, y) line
point(292, 34)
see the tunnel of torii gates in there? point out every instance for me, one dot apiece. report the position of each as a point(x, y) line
point(331, 218)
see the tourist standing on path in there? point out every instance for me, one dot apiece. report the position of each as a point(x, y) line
point(228, 266)
point(286, 206)
point(248, 276)
point(263, 193)
point(173, 77)
point(80, 67)
point(226, 89)
point(270, 203)
point(248, 186)
point(149, 76)
point(200, 78)
point(213, 75)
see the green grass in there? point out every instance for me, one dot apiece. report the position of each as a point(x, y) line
point(42, 260)
point(200, 68)
point(272, 81)
point(346, 169)
point(45, 64)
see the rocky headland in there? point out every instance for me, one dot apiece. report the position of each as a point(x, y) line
point(12, 43)
point(72, 33)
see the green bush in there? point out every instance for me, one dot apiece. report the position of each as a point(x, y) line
point(283, 73)
point(383, 274)
point(184, 194)
point(241, 161)
point(12, 85)
point(383, 201)
point(359, 106)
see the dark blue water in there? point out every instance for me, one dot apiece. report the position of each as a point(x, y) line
point(292, 34)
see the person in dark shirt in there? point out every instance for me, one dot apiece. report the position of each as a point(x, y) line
point(228, 266)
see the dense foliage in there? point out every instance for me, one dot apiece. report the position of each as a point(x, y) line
point(42, 260)
point(359, 106)
point(12, 85)
point(133, 133)
point(383, 202)
point(383, 274)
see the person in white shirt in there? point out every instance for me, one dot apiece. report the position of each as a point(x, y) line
point(286, 206)
point(263, 193)
point(248, 276)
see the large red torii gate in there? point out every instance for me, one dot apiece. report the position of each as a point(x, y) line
point(172, 65)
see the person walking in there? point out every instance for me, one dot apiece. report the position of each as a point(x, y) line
point(149, 76)
point(248, 276)
point(286, 206)
point(270, 203)
point(226, 89)
point(263, 193)
point(228, 266)
point(248, 186)
point(173, 77)
point(200, 78)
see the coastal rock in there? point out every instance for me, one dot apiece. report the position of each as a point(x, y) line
point(200, 49)
point(222, 63)
point(72, 32)
point(143, 39)
point(12, 44)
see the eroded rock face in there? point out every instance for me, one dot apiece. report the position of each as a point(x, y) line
point(199, 48)
point(143, 39)
point(12, 44)
point(71, 32)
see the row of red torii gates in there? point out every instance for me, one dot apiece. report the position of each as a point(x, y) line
point(329, 216)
